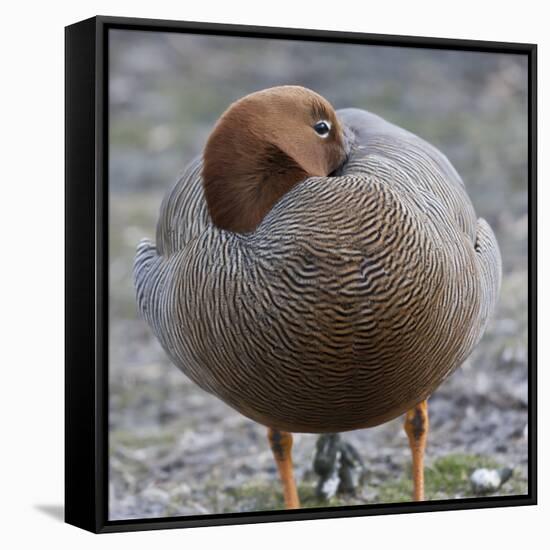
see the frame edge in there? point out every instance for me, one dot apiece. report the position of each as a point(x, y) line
point(80, 274)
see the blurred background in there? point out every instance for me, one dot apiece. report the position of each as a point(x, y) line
point(176, 450)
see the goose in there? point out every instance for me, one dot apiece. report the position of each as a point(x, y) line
point(319, 271)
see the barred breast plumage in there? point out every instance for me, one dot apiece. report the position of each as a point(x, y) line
point(356, 296)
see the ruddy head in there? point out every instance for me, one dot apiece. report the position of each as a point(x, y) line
point(262, 146)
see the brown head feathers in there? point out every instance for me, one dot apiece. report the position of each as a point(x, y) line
point(263, 145)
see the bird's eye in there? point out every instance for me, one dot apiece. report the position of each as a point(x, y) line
point(322, 128)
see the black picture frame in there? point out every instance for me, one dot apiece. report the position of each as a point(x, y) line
point(86, 271)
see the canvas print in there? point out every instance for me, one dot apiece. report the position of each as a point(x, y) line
point(318, 274)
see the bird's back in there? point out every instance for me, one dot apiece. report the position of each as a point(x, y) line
point(352, 301)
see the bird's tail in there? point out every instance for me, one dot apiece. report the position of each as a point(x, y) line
point(490, 264)
point(145, 265)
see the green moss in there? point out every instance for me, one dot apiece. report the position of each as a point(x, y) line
point(309, 499)
point(130, 440)
point(448, 477)
point(255, 496)
point(269, 496)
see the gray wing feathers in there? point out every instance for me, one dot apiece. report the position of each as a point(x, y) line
point(183, 213)
point(406, 152)
point(490, 265)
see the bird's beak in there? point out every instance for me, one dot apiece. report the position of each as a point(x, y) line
point(348, 139)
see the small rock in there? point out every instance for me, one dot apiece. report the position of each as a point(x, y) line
point(351, 470)
point(485, 480)
point(338, 466)
point(328, 486)
point(155, 495)
point(326, 465)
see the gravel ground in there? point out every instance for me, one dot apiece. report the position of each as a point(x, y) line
point(175, 450)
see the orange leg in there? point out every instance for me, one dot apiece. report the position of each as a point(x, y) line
point(281, 445)
point(416, 426)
